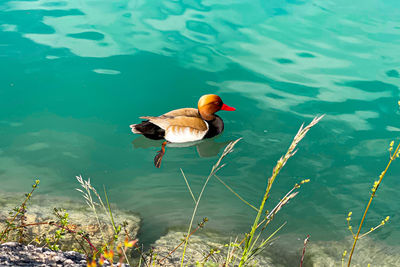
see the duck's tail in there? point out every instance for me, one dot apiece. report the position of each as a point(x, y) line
point(134, 130)
point(148, 129)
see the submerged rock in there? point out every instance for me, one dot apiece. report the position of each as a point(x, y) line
point(285, 252)
point(98, 228)
point(198, 250)
point(368, 251)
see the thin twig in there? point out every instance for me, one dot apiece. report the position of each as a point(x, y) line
point(187, 183)
point(180, 244)
point(61, 227)
point(304, 250)
point(28, 196)
point(236, 194)
point(228, 149)
point(371, 230)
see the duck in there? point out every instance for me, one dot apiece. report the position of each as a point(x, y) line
point(184, 125)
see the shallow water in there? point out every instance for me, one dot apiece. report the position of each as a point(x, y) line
point(75, 74)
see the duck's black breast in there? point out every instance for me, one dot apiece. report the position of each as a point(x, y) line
point(215, 127)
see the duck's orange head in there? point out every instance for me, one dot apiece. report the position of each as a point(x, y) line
point(209, 104)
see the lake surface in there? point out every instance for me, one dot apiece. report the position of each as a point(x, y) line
point(75, 74)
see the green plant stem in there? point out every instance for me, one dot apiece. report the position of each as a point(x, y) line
point(393, 157)
point(281, 162)
point(228, 253)
point(271, 214)
point(236, 194)
point(18, 212)
point(255, 224)
point(263, 243)
point(109, 211)
point(112, 219)
point(61, 227)
point(350, 229)
point(228, 149)
point(172, 251)
point(194, 213)
point(188, 186)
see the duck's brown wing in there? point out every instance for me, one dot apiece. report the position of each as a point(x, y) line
point(187, 112)
point(165, 122)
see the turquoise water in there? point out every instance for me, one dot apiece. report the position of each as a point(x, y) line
point(75, 74)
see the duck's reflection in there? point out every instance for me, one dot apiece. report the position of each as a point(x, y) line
point(205, 148)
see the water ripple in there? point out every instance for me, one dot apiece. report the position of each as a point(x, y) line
point(280, 63)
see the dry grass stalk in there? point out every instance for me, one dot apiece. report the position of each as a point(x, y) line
point(89, 200)
point(217, 166)
point(92, 204)
point(281, 162)
point(304, 250)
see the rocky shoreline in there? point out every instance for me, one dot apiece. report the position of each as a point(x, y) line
point(43, 223)
point(81, 218)
point(319, 254)
point(284, 253)
point(15, 254)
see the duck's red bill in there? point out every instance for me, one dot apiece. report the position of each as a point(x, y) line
point(227, 108)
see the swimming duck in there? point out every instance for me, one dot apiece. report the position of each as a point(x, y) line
point(185, 124)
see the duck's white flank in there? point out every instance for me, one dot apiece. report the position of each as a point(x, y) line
point(179, 134)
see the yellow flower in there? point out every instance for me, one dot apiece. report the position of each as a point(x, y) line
point(92, 263)
point(129, 244)
point(109, 255)
point(101, 260)
point(119, 248)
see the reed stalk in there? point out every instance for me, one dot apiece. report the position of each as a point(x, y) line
point(374, 189)
point(281, 162)
point(217, 166)
point(304, 250)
